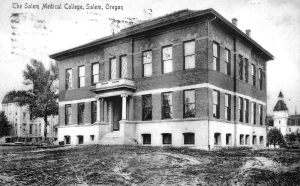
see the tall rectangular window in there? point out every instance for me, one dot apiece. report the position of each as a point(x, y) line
point(68, 117)
point(260, 74)
point(227, 62)
point(189, 55)
point(30, 128)
point(95, 70)
point(260, 113)
point(246, 70)
point(113, 68)
point(241, 118)
point(216, 56)
point(147, 107)
point(80, 113)
point(94, 111)
point(253, 117)
point(123, 73)
point(189, 104)
point(69, 84)
point(81, 76)
point(246, 110)
point(167, 109)
point(241, 66)
point(147, 63)
point(216, 104)
point(167, 59)
point(227, 106)
point(253, 73)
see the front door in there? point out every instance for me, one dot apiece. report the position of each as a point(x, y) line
point(117, 112)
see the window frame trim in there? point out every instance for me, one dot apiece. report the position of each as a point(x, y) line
point(93, 83)
point(78, 84)
point(110, 60)
point(218, 57)
point(120, 65)
point(78, 114)
point(144, 108)
point(67, 84)
point(162, 104)
point(143, 64)
point(162, 59)
point(189, 103)
point(184, 56)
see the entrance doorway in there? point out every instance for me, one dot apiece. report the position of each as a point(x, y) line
point(114, 112)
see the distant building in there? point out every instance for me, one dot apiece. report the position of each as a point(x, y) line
point(190, 78)
point(282, 120)
point(22, 128)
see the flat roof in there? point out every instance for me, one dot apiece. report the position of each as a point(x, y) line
point(156, 23)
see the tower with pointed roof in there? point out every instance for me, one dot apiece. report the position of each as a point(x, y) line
point(281, 115)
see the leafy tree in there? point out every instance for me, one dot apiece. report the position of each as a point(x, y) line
point(4, 125)
point(41, 98)
point(291, 138)
point(275, 137)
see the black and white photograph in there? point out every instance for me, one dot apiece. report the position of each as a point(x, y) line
point(150, 92)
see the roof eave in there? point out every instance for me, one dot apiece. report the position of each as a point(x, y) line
point(136, 29)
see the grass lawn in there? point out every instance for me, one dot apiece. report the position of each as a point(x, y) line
point(140, 165)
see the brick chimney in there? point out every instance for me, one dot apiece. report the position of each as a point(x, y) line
point(234, 21)
point(248, 32)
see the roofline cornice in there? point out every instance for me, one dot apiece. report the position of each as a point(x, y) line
point(152, 24)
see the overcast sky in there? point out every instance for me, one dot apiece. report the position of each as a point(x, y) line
point(37, 33)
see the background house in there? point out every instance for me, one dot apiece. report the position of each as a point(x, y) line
point(22, 128)
point(281, 118)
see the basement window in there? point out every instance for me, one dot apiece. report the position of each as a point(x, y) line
point(228, 139)
point(67, 140)
point(146, 139)
point(80, 139)
point(167, 138)
point(242, 140)
point(217, 138)
point(254, 140)
point(92, 137)
point(247, 141)
point(261, 140)
point(189, 138)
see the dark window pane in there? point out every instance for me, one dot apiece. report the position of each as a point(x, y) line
point(146, 138)
point(80, 113)
point(216, 104)
point(167, 106)
point(189, 103)
point(241, 68)
point(189, 138)
point(147, 107)
point(94, 111)
point(167, 139)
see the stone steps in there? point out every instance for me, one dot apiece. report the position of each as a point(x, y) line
point(114, 138)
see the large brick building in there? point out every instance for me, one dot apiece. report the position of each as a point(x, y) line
point(190, 78)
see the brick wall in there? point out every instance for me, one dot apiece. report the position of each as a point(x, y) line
point(154, 41)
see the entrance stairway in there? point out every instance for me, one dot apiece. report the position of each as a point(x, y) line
point(114, 138)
